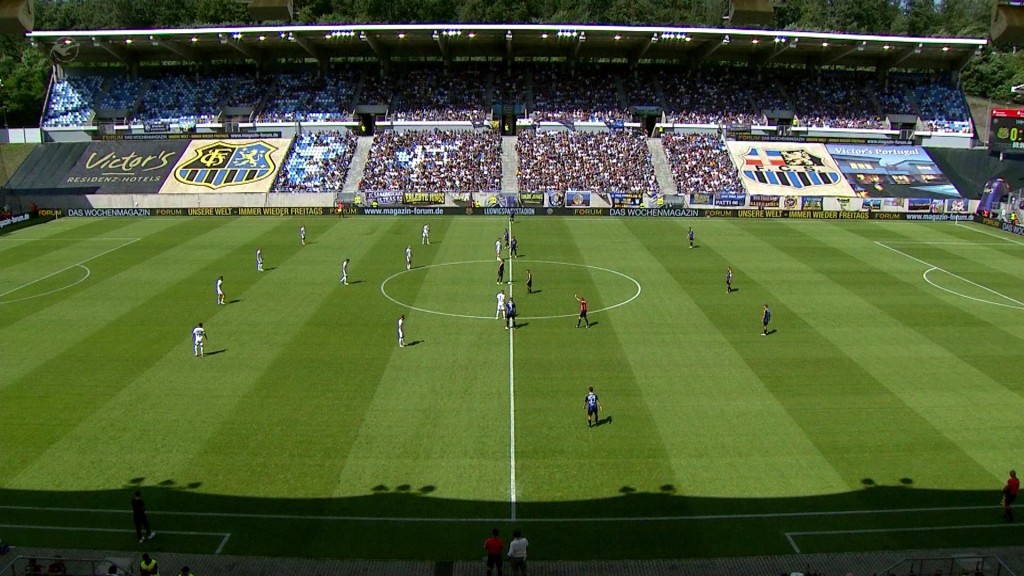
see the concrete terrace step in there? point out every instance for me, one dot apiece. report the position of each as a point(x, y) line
point(662, 169)
point(509, 165)
point(358, 165)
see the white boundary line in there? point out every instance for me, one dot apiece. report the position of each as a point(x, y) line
point(220, 548)
point(946, 242)
point(68, 267)
point(440, 520)
point(987, 233)
point(955, 293)
point(5, 239)
point(933, 267)
point(88, 273)
point(636, 295)
point(792, 542)
point(511, 396)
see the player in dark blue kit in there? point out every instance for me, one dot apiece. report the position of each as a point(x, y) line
point(529, 282)
point(593, 406)
point(766, 317)
point(689, 234)
point(512, 248)
point(510, 313)
point(728, 280)
point(501, 272)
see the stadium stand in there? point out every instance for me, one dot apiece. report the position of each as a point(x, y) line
point(122, 93)
point(832, 100)
point(183, 99)
point(377, 88)
point(72, 101)
point(700, 164)
point(308, 96)
point(317, 162)
point(712, 95)
point(437, 94)
point(941, 107)
point(601, 162)
point(588, 95)
point(436, 160)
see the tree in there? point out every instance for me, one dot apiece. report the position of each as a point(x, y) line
point(24, 79)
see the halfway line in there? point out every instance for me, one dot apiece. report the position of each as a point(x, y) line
point(511, 395)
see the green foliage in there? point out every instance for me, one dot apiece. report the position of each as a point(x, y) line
point(24, 84)
point(993, 74)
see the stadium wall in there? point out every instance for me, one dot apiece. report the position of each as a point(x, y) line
point(171, 201)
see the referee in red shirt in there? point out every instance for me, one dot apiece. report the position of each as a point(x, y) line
point(1010, 494)
point(493, 546)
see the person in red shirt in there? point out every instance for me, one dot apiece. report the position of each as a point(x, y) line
point(583, 311)
point(493, 546)
point(1010, 494)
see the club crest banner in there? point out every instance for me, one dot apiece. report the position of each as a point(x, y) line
point(788, 169)
point(227, 166)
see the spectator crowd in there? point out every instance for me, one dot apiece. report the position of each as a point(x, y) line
point(700, 164)
point(708, 94)
point(600, 162)
point(434, 160)
point(317, 162)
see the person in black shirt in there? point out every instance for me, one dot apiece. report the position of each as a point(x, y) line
point(139, 516)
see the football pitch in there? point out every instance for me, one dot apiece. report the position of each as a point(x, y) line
point(882, 411)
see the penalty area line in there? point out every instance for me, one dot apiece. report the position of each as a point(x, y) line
point(792, 535)
point(1019, 304)
point(223, 542)
point(52, 274)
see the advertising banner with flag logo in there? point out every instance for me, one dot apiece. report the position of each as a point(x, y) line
point(788, 169)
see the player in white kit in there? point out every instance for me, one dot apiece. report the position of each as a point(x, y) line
point(198, 339)
point(500, 312)
point(426, 235)
point(344, 272)
point(408, 257)
point(220, 290)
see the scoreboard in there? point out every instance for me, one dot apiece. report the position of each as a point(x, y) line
point(1006, 131)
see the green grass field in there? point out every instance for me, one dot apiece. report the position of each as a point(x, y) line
point(883, 412)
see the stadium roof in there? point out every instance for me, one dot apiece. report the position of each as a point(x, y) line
point(385, 42)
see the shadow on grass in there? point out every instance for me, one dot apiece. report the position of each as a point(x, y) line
point(655, 520)
point(215, 352)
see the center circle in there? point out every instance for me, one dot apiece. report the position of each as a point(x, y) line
point(384, 291)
